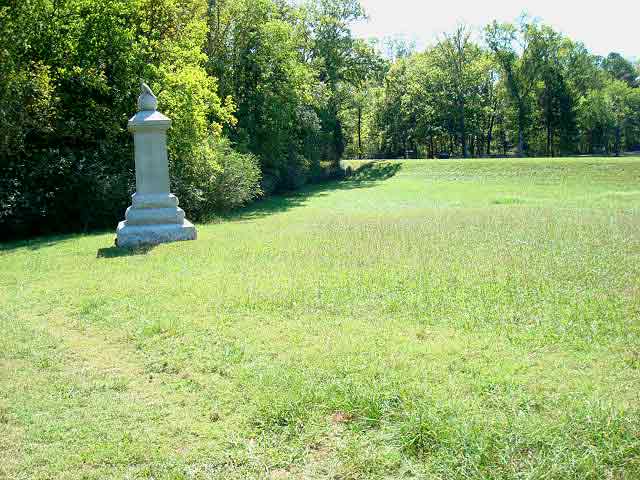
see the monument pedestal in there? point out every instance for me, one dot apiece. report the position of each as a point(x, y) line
point(133, 236)
point(154, 216)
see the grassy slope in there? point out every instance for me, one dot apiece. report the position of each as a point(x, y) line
point(476, 319)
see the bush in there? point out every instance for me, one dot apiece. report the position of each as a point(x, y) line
point(296, 172)
point(218, 179)
point(238, 183)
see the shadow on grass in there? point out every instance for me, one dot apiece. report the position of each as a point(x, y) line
point(367, 176)
point(116, 252)
point(46, 241)
point(373, 172)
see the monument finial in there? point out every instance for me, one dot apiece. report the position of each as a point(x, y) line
point(147, 101)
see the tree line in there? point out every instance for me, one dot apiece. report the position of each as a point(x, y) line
point(267, 95)
point(519, 89)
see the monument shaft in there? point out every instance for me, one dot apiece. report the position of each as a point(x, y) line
point(152, 163)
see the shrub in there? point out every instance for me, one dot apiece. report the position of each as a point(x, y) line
point(217, 179)
point(238, 182)
point(296, 172)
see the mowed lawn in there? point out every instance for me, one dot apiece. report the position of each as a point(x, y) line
point(422, 319)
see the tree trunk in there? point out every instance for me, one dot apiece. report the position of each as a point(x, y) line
point(489, 136)
point(521, 123)
point(520, 143)
point(463, 131)
point(359, 132)
point(504, 142)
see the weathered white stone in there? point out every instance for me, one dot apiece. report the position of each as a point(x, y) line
point(154, 216)
point(151, 216)
point(132, 236)
point(147, 101)
point(154, 200)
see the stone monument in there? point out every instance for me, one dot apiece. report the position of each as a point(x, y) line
point(154, 216)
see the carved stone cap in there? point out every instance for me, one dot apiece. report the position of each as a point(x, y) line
point(148, 118)
point(147, 101)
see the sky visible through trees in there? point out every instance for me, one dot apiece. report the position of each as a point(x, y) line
point(602, 29)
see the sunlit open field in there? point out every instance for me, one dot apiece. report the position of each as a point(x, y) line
point(423, 319)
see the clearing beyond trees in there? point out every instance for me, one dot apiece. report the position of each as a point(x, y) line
point(421, 319)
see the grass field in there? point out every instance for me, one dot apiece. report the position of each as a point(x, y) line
point(433, 319)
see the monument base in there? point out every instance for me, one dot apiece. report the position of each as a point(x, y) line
point(132, 236)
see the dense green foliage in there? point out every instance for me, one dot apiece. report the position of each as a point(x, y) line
point(278, 85)
point(460, 320)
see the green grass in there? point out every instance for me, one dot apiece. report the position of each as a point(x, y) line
point(433, 319)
